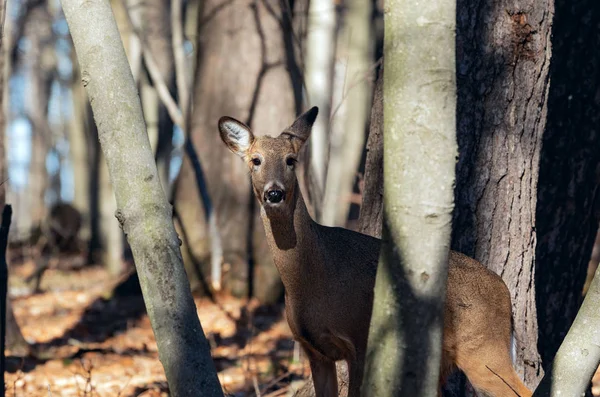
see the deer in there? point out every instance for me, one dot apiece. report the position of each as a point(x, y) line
point(328, 275)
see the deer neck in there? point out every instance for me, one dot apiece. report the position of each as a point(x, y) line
point(292, 238)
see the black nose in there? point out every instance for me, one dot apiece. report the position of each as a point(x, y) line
point(274, 196)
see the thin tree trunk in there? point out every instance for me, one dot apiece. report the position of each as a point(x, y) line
point(38, 32)
point(80, 152)
point(371, 210)
point(404, 349)
point(320, 56)
point(347, 145)
point(11, 333)
point(503, 58)
point(143, 209)
point(579, 354)
point(154, 24)
point(110, 232)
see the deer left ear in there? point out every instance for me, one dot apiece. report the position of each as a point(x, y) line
point(237, 136)
point(300, 129)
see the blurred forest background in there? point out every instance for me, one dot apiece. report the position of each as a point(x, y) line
point(527, 176)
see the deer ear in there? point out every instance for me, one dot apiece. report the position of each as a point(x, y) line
point(301, 128)
point(236, 135)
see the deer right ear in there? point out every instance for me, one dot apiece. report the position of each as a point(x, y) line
point(236, 135)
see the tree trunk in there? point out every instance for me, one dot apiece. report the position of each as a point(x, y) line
point(81, 151)
point(405, 339)
point(241, 72)
point(320, 56)
point(579, 354)
point(38, 32)
point(568, 198)
point(503, 58)
point(155, 27)
point(14, 339)
point(143, 209)
point(347, 142)
point(371, 210)
point(110, 232)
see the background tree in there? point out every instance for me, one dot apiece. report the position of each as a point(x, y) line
point(242, 69)
point(419, 90)
point(14, 339)
point(355, 56)
point(144, 211)
point(320, 56)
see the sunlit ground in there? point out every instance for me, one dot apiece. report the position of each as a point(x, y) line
point(93, 342)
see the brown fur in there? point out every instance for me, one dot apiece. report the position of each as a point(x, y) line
point(329, 275)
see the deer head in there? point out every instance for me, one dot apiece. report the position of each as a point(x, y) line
point(271, 161)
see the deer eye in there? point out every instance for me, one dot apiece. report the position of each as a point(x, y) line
point(256, 161)
point(290, 161)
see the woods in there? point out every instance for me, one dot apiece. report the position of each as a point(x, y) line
point(144, 258)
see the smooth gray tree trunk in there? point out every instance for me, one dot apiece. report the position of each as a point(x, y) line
point(419, 90)
point(143, 209)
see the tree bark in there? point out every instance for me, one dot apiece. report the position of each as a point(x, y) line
point(404, 348)
point(347, 143)
point(143, 209)
point(579, 354)
point(371, 210)
point(503, 58)
point(241, 72)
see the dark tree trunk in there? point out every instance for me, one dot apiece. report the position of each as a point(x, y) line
point(567, 211)
point(503, 54)
point(371, 210)
point(242, 73)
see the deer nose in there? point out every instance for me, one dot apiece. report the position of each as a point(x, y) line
point(274, 195)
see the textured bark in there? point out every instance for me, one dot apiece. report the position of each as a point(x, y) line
point(241, 72)
point(503, 53)
point(371, 210)
point(143, 209)
point(419, 88)
point(568, 197)
point(347, 143)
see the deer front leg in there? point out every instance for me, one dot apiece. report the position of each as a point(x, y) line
point(324, 376)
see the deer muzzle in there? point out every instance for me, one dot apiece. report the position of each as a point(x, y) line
point(274, 194)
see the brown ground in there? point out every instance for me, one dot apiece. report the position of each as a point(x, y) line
point(93, 342)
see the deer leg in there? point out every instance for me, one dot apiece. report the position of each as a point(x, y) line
point(324, 376)
point(356, 369)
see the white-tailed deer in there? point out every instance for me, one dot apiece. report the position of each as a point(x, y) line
point(329, 274)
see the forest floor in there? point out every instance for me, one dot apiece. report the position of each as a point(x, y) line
point(92, 338)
